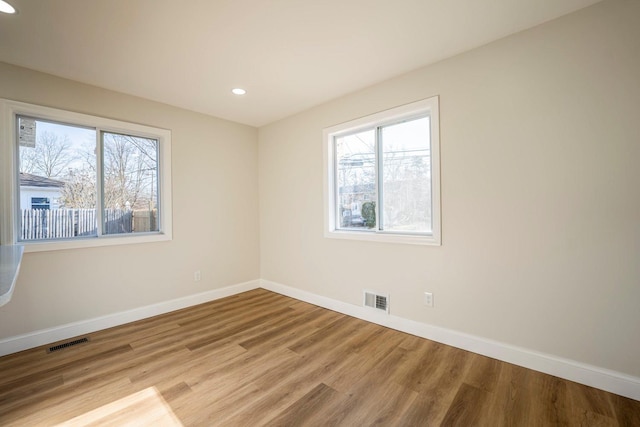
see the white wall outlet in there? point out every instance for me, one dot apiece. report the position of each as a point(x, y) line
point(428, 299)
point(197, 276)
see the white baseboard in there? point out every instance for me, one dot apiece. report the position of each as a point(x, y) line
point(604, 379)
point(70, 330)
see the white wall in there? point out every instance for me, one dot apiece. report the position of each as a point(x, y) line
point(540, 143)
point(215, 216)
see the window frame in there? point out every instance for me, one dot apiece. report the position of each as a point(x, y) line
point(9, 200)
point(426, 107)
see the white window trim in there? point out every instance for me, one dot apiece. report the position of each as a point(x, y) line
point(429, 106)
point(9, 186)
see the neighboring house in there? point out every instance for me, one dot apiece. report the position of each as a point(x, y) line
point(38, 192)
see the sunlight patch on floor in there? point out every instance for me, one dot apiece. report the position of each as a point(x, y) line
point(144, 408)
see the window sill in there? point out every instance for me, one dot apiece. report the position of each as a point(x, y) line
point(411, 239)
point(93, 242)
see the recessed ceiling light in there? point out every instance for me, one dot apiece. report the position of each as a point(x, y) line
point(6, 7)
point(238, 91)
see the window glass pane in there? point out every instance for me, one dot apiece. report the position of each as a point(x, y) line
point(130, 180)
point(406, 180)
point(57, 182)
point(356, 180)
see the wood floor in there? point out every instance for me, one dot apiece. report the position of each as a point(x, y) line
point(260, 358)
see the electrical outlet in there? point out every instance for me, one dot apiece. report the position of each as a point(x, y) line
point(428, 299)
point(197, 276)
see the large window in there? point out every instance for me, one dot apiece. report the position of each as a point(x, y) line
point(74, 180)
point(382, 176)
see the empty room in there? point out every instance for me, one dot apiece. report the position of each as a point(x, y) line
point(336, 213)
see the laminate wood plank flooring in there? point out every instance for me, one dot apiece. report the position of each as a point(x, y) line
point(263, 359)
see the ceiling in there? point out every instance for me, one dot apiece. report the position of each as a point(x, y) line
point(289, 55)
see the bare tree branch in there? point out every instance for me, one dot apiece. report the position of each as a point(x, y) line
point(50, 157)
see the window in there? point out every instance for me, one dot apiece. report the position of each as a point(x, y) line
point(382, 179)
point(74, 180)
point(40, 203)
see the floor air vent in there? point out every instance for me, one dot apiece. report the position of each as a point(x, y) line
point(376, 301)
point(67, 344)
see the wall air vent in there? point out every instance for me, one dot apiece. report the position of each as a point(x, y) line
point(67, 344)
point(376, 300)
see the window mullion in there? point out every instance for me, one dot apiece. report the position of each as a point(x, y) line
point(336, 186)
point(379, 177)
point(99, 183)
point(157, 188)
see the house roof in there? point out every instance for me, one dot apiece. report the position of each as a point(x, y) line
point(29, 180)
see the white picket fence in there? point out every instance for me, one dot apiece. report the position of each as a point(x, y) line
point(37, 224)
